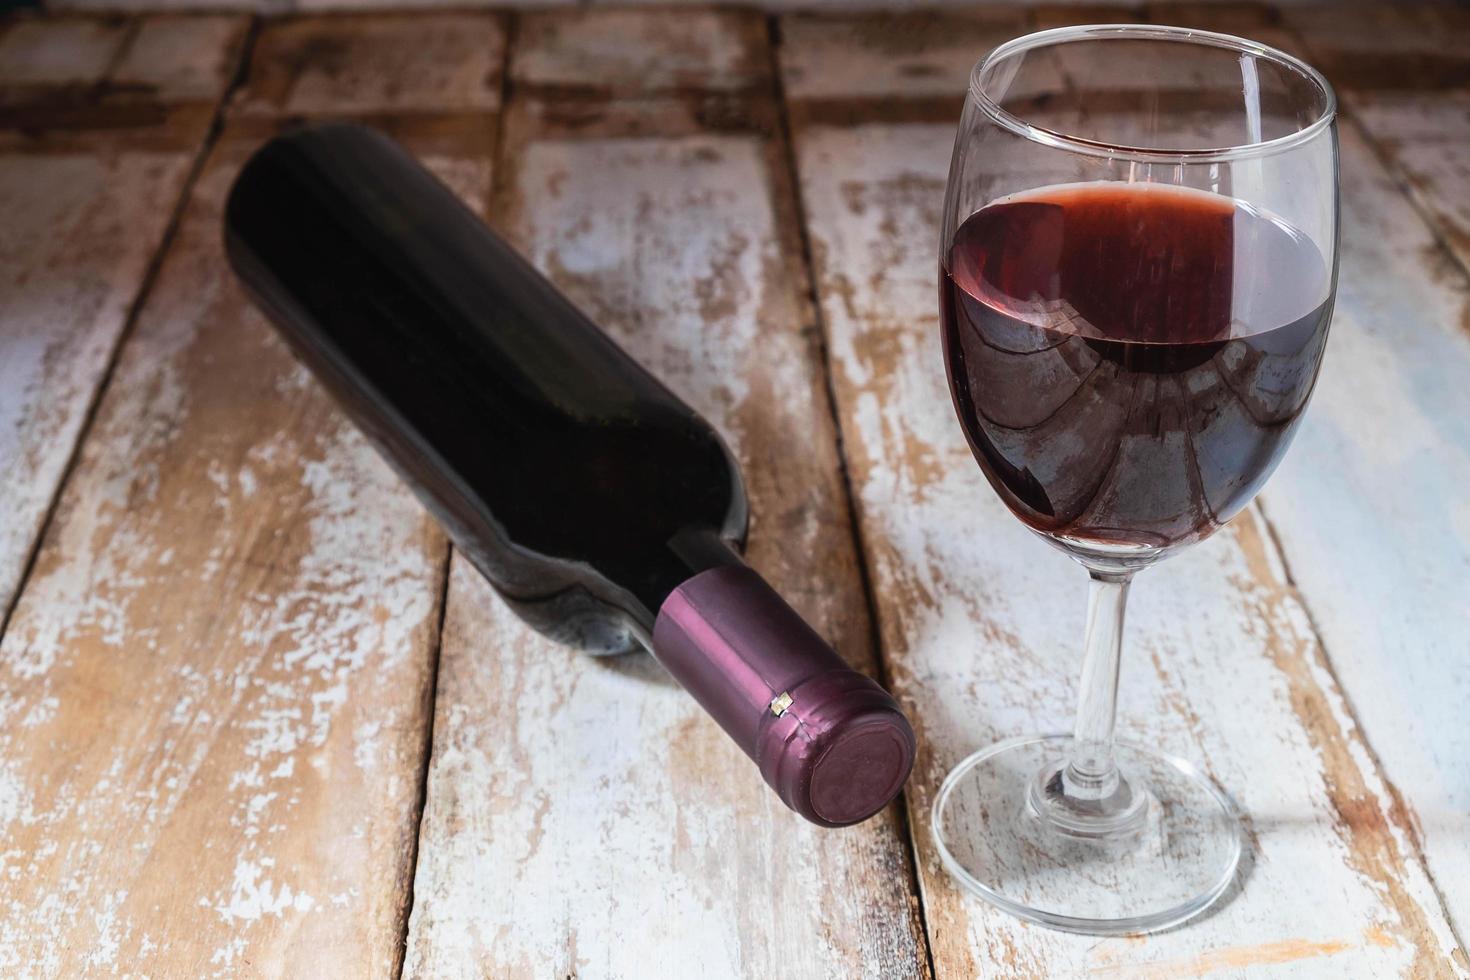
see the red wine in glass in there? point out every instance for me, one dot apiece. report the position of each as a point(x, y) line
point(1129, 361)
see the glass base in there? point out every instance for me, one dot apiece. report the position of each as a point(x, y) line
point(1122, 855)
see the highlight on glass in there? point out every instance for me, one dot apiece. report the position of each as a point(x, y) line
point(1137, 272)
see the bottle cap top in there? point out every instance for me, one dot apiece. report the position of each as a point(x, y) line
point(829, 740)
point(839, 752)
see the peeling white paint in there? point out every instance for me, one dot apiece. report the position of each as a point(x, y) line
point(230, 662)
point(1371, 506)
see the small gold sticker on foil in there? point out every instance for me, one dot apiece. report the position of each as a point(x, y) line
point(780, 703)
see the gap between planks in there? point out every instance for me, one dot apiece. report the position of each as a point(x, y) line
point(431, 695)
point(400, 948)
point(1398, 806)
point(903, 824)
point(1402, 182)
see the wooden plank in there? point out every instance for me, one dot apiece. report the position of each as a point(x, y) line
point(1426, 140)
point(1386, 46)
point(1387, 576)
point(84, 82)
point(158, 59)
point(1046, 16)
point(1250, 20)
point(377, 64)
point(1424, 135)
point(216, 682)
point(336, 7)
point(927, 55)
point(1389, 596)
point(78, 235)
point(73, 52)
point(179, 57)
point(84, 214)
point(627, 52)
point(848, 70)
point(980, 628)
point(639, 841)
point(1229, 17)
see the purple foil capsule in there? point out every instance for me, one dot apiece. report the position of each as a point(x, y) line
point(831, 742)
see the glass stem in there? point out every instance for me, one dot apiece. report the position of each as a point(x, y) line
point(1091, 772)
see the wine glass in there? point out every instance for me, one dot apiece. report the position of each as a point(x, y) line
point(1137, 273)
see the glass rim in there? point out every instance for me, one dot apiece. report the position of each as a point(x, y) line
point(1152, 32)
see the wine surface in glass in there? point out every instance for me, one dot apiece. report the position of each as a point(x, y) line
point(1129, 361)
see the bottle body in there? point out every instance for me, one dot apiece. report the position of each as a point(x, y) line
point(494, 397)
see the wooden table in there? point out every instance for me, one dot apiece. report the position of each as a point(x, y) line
point(256, 718)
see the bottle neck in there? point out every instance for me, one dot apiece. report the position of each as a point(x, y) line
point(703, 548)
point(688, 553)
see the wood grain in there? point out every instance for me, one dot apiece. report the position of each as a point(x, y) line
point(1386, 564)
point(69, 52)
point(85, 212)
point(216, 681)
point(584, 817)
point(1423, 135)
point(1224, 665)
point(628, 52)
point(891, 56)
point(1371, 511)
point(1384, 575)
point(1386, 46)
point(161, 59)
point(376, 64)
point(80, 229)
point(1425, 140)
point(179, 57)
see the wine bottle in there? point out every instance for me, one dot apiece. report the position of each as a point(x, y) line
point(605, 511)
